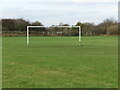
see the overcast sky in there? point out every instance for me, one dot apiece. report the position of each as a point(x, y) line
point(55, 11)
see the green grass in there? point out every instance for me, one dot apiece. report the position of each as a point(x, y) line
point(58, 62)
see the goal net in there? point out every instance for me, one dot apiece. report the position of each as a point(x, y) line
point(54, 31)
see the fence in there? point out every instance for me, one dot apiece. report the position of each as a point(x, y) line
point(39, 33)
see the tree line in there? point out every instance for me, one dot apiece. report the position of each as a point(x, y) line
point(107, 27)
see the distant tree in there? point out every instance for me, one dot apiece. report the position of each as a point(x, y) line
point(88, 29)
point(20, 24)
point(8, 24)
point(65, 25)
point(80, 24)
point(106, 24)
point(101, 29)
point(5, 29)
point(109, 21)
point(41, 30)
point(37, 23)
point(113, 30)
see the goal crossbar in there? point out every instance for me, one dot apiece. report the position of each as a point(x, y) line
point(80, 31)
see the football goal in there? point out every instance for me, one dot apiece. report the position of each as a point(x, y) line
point(77, 29)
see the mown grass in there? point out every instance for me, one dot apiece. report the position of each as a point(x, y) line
point(58, 62)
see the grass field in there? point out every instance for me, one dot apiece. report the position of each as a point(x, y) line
point(58, 62)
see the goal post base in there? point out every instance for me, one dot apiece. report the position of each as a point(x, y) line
point(80, 44)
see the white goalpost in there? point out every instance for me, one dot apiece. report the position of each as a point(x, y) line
point(79, 27)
